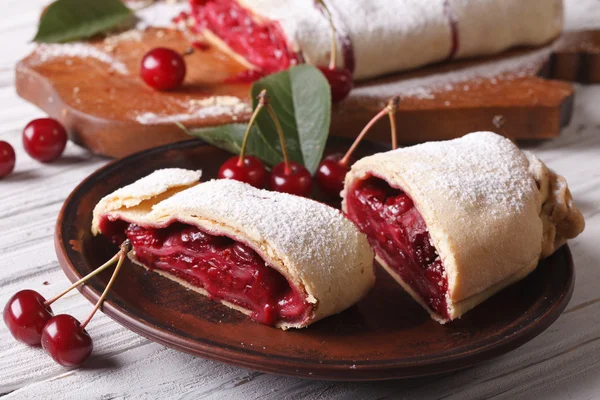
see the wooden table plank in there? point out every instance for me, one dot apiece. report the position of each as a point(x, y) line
point(561, 363)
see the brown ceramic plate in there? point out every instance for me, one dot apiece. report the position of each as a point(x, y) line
point(387, 335)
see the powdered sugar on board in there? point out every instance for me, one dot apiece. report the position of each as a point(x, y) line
point(198, 109)
point(481, 170)
point(425, 87)
point(46, 52)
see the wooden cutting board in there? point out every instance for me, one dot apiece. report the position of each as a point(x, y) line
point(94, 89)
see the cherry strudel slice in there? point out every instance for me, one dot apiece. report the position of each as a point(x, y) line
point(374, 37)
point(283, 260)
point(455, 222)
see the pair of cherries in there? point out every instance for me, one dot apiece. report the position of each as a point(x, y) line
point(287, 176)
point(44, 139)
point(30, 319)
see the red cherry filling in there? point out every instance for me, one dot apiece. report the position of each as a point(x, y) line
point(259, 41)
point(398, 234)
point(226, 269)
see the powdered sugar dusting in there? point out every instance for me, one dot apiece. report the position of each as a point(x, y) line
point(46, 52)
point(310, 242)
point(158, 182)
point(481, 169)
point(426, 87)
point(299, 231)
point(199, 109)
point(296, 225)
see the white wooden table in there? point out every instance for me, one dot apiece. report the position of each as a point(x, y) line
point(561, 363)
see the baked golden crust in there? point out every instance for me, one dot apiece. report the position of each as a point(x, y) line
point(314, 246)
point(479, 198)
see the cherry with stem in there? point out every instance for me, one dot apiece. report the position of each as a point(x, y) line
point(340, 79)
point(248, 169)
point(27, 312)
point(287, 176)
point(332, 171)
point(64, 338)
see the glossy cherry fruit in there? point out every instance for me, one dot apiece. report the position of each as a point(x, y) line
point(65, 340)
point(331, 174)
point(7, 159)
point(25, 315)
point(163, 69)
point(340, 81)
point(44, 139)
point(295, 180)
point(250, 170)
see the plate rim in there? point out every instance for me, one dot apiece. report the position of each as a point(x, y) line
point(333, 369)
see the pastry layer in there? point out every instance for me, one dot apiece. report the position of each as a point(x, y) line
point(313, 246)
point(486, 206)
point(379, 37)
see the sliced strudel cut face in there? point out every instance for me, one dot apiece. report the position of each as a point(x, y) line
point(455, 222)
point(283, 260)
point(374, 37)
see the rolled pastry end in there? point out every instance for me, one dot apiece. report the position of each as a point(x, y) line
point(283, 260)
point(455, 222)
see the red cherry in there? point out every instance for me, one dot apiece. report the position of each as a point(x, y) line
point(163, 69)
point(331, 174)
point(251, 171)
point(65, 340)
point(7, 159)
point(340, 81)
point(44, 139)
point(296, 180)
point(25, 315)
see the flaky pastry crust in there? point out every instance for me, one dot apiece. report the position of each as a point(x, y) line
point(314, 246)
point(492, 211)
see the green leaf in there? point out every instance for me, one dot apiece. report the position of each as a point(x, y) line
point(69, 20)
point(301, 98)
point(229, 138)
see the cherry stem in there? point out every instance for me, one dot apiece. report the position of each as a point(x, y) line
point(84, 279)
point(286, 160)
point(390, 109)
point(393, 107)
point(125, 248)
point(262, 101)
point(333, 56)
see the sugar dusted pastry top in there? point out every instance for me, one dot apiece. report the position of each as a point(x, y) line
point(480, 200)
point(313, 245)
point(389, 36)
